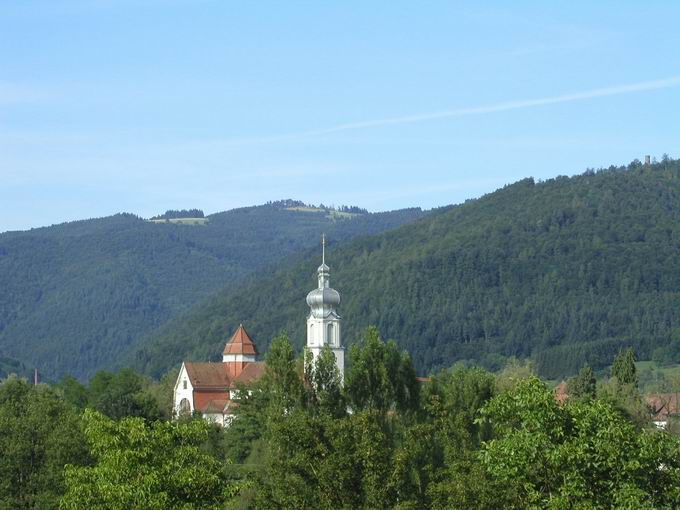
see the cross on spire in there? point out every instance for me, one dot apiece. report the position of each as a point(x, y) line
point(323, 248)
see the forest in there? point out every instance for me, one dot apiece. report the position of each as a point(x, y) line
point(182, 213)
point(80, 296)
point(564, 272)
point(302, 438)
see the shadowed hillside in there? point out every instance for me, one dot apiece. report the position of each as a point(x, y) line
point(78, 296)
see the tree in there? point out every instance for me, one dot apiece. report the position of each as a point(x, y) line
point(380, 376)
point(452, 402)
point(623, 367)
point(627, 400)
point(158, 395)
point(455, 398)
point(324, 382)
point(40, 434)
point(122, 394)
point(584, 384)
point(146, 465)
point(296, 444)
point(282, 377)
point(75, 393)
point(318, 455)
point(582, 455)
point(513, 372)
point(248, 423)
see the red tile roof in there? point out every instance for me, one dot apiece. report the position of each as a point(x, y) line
point(216, 406)
point(210, 401)
point(251, 372)
point(561, 392)
point(207, 375)
point(215, 376)
point(663, 405)
point(240, 343)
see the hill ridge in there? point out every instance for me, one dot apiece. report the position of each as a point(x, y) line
point(78, 296)
point(563, 271)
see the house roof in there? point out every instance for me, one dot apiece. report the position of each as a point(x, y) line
point(662, 405)
point(215, 376)
point(216, 406)
point(251, 372)
point(561, 392)
point(210, 401)
point(240, 343)
point(207, 375)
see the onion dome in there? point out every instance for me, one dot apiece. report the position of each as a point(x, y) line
point(323, 299)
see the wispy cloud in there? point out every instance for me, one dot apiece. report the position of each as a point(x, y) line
point(617, 90)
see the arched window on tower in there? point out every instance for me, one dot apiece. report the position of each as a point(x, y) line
point(311, 334)
point(329, 334)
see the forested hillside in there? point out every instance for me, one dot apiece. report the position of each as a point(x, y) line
point(77, 296)
point(565, 271)
point(11, 366)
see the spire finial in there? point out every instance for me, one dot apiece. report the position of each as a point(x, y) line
point(323, 248)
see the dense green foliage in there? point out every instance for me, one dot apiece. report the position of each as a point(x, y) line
point(152, 466)
point(624, 368)
point(12, 366)
point(54, 452)
point(39, 434)
point(183, 213)
point(122, 394)
point(566, 271)
point(382, 378)
point(582, 455)
point(301, 438)
point(469, 441)
point(584, 385)
point(78, 297)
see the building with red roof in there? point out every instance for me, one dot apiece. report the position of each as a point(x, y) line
point(209, 388)
point(663, 407)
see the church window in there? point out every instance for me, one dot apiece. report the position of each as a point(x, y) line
point(329, 334)
point(185, 384)
point(311, 334)
point(184, 407)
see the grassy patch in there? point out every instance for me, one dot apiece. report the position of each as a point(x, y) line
point(305, 209)
point(183, 221)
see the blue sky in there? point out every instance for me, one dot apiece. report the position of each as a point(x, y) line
point(146, 105)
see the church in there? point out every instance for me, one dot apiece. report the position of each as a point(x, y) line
point(211, 388)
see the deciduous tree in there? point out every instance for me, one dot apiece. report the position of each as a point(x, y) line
point(138, 464)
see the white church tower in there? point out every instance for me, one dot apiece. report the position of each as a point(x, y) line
point(323, 323)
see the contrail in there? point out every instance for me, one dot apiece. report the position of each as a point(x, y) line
point(510, 105)
point(478, 110)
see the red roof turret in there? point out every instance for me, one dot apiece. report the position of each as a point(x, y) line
point(240, 343)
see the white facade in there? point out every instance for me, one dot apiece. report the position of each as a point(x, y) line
point(244, 358)
point(326, 331)
point(183, 401)
point(323, 322)
point(217, 418)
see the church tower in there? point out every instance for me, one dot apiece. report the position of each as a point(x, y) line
point(323, 322)
point(239, 352)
